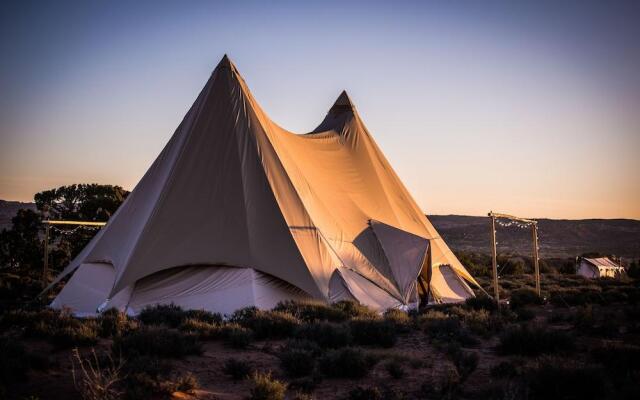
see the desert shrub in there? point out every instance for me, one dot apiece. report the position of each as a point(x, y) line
point(325, 334)
point(306, 384)
point(373, 332)
point(266, 324)
point(618, 359)
point(526, 341)
point(59, 327)
point(264, 387)
point(170, 315)
point(525, 314)
point(236, 336)
point(113, 322)
point(480, 322)
point(186, 383)
point(145, 377)
point(95, 381)
point(465, 361)
point(593, 321)
point(353, 310)
point(481, 302)
point(564, 379)
point(297, 361)
point(506, 369)
point(524, 297)
point(204, 316)
point(445, 328)
point(366, 393)
point(395, 369)
point(76, 333)
point(346, 362)
point(237, 369)
point(446, 387)
point(14, 360)
point(203, 329)
point(399, 319)
point(311, 311)
point(156, 341)
point(575, 297)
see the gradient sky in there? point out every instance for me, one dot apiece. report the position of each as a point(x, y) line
point(531, 108)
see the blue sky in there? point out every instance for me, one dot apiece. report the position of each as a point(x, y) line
point(522, 107)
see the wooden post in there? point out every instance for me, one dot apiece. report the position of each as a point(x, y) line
point(494, 259)
point(45, 270)
point(429, 271)
point(536, 267)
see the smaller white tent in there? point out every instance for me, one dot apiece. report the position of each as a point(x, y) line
point(602, 267)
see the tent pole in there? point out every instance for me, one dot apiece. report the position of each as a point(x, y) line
point(536, 266)
point(429, 271)
point(494, 261)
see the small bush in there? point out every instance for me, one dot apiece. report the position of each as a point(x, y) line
point(527, 341)
point(145, 377)
point(170, 315)
point(186, 383)
point(524, 297)
point(236, 336)
point(481, 302)
point(204, 316)
point(353, 310)
point(525, 314)
point(373, 332)
point(237, 369)
point(326, 334)
point(368, 393)
point(297, 362)
point(311, 311)
point(399, 319)
point(306, 384)
point(204, 330)
point(59, 327)
point(395, 369)
point(266, 324)
point(565, 379)
point(113, 322)
point(618, 359)
point(465, 362)
point(154, 341)
point(506, 370)
point(266, 388)
point(94, 381)
point(346, 362)
point(442, 327)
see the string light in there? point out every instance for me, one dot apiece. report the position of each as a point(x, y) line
point(68, 232)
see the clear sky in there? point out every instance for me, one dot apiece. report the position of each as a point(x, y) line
point(531, 108)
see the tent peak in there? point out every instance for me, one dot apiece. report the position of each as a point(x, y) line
point(225, 62)
point(343, 103)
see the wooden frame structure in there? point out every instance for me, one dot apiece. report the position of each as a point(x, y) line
point(47, 229)
point(494, 254)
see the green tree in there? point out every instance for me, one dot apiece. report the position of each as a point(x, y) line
point(21, 247)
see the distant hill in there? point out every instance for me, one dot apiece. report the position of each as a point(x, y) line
point(8, 210)
point(557, 238)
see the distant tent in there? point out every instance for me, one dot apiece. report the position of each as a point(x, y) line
point(601, 267)
point(236, 211)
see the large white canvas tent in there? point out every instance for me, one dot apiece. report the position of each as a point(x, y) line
point(237, 211)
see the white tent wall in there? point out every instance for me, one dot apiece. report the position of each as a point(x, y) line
point(211, 288)
point(233, 188)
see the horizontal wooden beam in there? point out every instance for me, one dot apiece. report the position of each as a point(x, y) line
point(86, 223)
point(513, 217)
